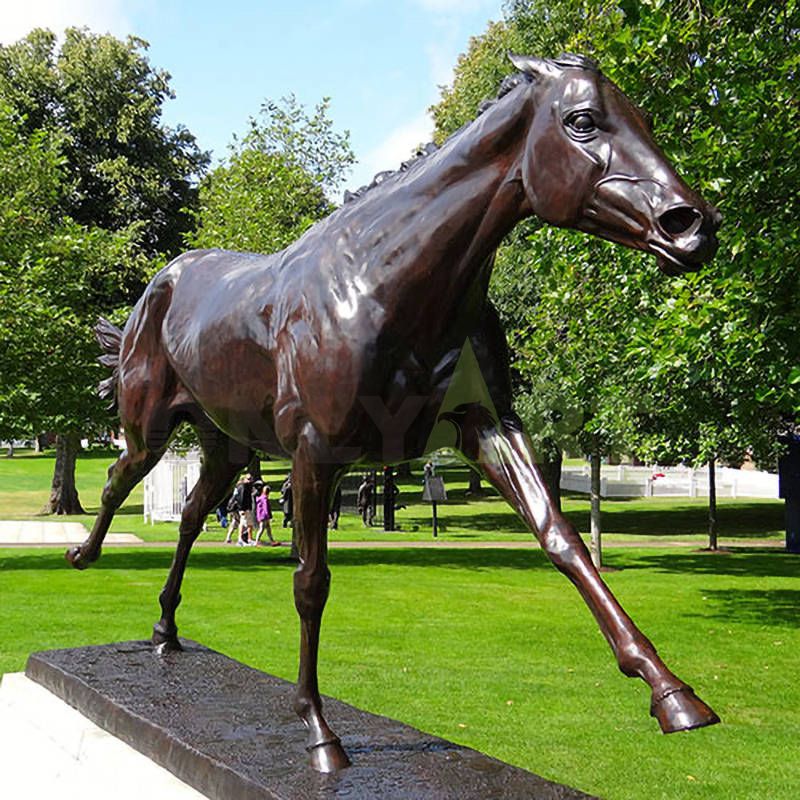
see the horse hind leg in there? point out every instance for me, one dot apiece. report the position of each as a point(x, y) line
point(147, 435)
point(148, 416)
point(132, 465)
point(223, 459)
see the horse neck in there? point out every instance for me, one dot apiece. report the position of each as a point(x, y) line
point(450, 213)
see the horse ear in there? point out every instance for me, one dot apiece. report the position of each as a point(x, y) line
point(533, 66)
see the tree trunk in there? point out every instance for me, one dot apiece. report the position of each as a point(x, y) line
point(10, 449)
point(63, 492)
point(404, 470)
point(552, 459)
point(595, 545)
point(712, 504)
point(475, 489)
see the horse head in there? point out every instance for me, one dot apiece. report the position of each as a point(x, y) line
point(590, 162)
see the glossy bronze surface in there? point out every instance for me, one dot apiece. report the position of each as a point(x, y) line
point(340, 349)
point(229, 731)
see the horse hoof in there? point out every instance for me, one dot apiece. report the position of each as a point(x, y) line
point(78, 558)
point(169, 646)
point(328, 757)
point(682, 710)
point(166, 641)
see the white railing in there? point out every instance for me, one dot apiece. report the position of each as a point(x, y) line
point(168, 484)
point(627, 481)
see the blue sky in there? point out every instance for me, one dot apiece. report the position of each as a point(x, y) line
point(379, 61)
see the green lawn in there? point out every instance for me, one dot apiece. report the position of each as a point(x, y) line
point(490, 648)
point(25, 480)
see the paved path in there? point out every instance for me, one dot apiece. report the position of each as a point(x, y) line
point(35, 532)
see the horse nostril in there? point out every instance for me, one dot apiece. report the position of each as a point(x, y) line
point(679, 220)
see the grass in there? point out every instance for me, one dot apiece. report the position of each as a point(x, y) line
point(490, 648)
point(25, 481)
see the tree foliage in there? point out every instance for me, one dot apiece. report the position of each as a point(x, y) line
point(679, 369)
point(273, 185)
point(54, 276)
point(102, 99)
point(93, 188)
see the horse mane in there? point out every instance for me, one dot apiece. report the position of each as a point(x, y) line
point(506, 85)
point(380, 177)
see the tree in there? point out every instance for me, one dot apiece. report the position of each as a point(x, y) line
point(273, 185)
point(719, 78)
point(545, 395)
point(571, 345)
point(31, 175)
point(103, 99)
point(111, 188)
point(49, 297)
point(724, 104)
point(713, 354)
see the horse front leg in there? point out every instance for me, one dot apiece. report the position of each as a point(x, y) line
point(505, 454)
point(313, 482)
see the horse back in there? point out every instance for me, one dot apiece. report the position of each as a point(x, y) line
point(260, 343)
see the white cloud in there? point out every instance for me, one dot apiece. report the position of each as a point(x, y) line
point(449, 22)
point(102, 16)
point(397, 147)
point(442, 55)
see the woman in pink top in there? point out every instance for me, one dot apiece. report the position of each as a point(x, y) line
point(263, 516)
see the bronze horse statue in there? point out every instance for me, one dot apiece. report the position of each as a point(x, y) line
point(339, 349)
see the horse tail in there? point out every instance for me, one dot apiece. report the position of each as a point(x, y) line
point(110, 339)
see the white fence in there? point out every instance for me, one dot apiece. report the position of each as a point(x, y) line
point(168, 484)
point(627, 481)
point(171, 480)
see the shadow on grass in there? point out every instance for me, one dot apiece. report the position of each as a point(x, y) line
point(744, 562)
point(754, 606)
point(246, 559)
point(499, 522)
point(758, 563)
point(749, 520)
point(742, 520)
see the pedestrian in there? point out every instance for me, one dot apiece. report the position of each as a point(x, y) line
point(222, 513)
point(287, 501)
point(263, 516)
point(233, 513)
point(364, 498)
point(246, 501)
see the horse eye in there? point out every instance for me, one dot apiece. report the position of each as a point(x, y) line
point(581, 122)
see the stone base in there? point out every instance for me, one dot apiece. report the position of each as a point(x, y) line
point(49, 750)
point(229, 731)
